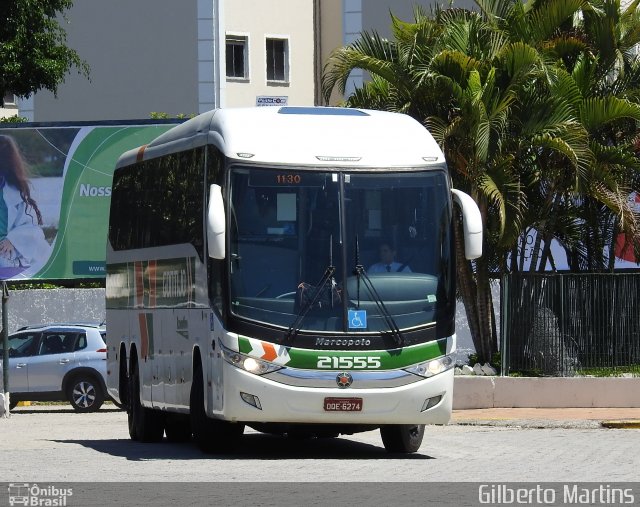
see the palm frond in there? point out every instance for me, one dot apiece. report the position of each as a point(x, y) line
point(545, 18)
point(518, 59)
point(454, 65)
point(597, 112)
point(564, 46)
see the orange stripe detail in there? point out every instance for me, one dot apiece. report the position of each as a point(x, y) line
point(269, 352)
point(144, 335)
point(152, 283)
point(140, 155)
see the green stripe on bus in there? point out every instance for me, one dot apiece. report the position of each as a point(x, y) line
point(244, 347)
point(388, 359)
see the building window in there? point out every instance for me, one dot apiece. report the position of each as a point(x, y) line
point(236, 56)
point(278, 60)
point(9, 99)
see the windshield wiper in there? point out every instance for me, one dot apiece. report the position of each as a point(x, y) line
point(361, 274)
point(327, 277)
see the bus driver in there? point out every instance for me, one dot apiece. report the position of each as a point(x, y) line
point(387, 263)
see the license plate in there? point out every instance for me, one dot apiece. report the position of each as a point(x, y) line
point(343, 404)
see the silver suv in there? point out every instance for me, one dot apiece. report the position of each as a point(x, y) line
point(59, 362)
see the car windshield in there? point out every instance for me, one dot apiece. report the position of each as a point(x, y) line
point(298, 237)
point(20, 344)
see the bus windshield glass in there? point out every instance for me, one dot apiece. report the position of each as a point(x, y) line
point(340, 252)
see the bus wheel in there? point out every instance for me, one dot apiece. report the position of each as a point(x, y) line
point(404, 438)
point(145, 424)
point(211, 435)
point(177, 428)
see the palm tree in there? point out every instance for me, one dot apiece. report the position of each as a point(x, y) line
point(503, 92)
point(597, 72)
point(463, 79)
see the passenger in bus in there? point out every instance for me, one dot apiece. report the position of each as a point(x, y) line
point(387, 263)
point(22, 241)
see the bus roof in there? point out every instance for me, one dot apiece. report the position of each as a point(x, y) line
point(312, 136)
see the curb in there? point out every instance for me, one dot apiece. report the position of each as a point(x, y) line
point(581, 424)
point(630, 424)
point(471, 392)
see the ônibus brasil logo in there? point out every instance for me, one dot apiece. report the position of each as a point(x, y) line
point(41, 496)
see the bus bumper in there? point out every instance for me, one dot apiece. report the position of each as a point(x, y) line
point(291, 404)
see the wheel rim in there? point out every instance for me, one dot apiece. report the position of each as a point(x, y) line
point(84, 394)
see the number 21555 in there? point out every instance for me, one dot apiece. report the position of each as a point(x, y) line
point(347, 363)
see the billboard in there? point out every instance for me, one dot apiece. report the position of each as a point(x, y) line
point(55, 189)
point(623, 251)
point(625, 257)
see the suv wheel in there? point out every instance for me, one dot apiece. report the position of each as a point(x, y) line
point(85, 394)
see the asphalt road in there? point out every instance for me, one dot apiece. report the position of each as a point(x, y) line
point(55, 444)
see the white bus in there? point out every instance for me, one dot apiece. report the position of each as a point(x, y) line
point(289, 269)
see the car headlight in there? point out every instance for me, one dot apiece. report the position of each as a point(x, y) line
point(432, 367)
point(248, 363)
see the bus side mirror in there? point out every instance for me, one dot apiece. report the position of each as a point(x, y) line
point(471, 224)
point(216, 228)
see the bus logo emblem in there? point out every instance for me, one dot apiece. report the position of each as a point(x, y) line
point(344, 380)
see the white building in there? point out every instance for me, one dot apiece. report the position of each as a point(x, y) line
point(162, 56)
point(191, 56)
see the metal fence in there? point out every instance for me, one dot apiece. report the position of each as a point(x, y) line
point(563, 324)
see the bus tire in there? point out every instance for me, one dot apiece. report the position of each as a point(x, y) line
point(402, 438)
point(145, 424)
point(123, 379)
point(211, 435)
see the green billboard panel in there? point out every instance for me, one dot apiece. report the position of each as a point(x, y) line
point(55, 184)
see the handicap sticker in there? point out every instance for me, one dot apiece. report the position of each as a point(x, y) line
point(357, 319)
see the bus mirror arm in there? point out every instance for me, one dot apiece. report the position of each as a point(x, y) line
point(216, 223)
point(471, 224)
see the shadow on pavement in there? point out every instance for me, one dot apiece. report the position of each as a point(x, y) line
point(252, 446)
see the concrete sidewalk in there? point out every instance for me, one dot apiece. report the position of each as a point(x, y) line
point(627, 418)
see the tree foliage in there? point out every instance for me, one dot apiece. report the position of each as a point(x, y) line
point(536, 107)
point(33, 51)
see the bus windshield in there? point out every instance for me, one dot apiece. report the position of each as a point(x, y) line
point(340, 252)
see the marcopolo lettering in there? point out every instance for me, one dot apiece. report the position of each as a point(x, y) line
point(87, 190)
point(342, 342)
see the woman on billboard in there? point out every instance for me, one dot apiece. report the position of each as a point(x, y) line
point(22, 241)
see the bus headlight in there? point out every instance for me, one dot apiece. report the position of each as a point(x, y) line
point(247, 363)
point(432, 367)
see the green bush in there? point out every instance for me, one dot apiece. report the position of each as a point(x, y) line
point(14, 119)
